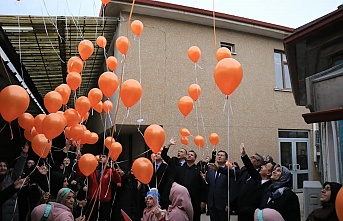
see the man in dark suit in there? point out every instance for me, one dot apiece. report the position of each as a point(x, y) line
point(259, 180)
point(162, 177)
point(189, 176)
point(217, 201)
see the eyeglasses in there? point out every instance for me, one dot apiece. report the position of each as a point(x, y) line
point(327, 188)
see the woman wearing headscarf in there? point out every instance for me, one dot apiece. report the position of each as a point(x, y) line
point(280, 197)
point(181, 206)
point(61, 210)
point(328, 199)
point(152, 204)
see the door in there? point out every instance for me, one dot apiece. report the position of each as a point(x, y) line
point(294, 155)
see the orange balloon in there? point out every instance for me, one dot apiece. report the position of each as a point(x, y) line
point(14, 101)
point(228, 164)
point(194, 53)
point(98, 107)
point(339, 204)
point(64, 91)
point(84, 117)
point(82, 105)
point(185, 105)
point(185, 132)
point(101, 41)
point(194, 91)
point(75, 64)
point(214, 139)
point(86, 136)
point(86, 49)
point(130, 92)
point(41, 145)
point(108, 83)
point(87, 164)
point(26, 121)
point(94, 96)
point(137, 27)
point(74, 80)
point(142, 169)
point(199, 141)
point(184, 140)
point(53, 126)
point(115, 150)
point(64, 119)
point(105, 2)
point(30, 134)
point(123, 44)
point(112, 63)
point(93, 138)
point(72, 117)
point(53, 101)
point(67, 132)
point(107, 106)
point(228, 74)
point(38, 123)
point(108, 141)
point(76, 132)
point(154, 137)
point(222, 53)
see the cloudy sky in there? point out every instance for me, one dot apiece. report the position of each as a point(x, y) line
point(290, 13)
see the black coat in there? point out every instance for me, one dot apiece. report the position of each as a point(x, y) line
point(190, 178)
point(162, 175)
point(217, 190)
point(287, 205)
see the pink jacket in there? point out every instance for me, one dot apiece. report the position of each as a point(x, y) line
point(59, 212)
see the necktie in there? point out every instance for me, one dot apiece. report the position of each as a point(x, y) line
point(216, 177)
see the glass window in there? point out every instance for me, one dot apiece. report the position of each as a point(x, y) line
point(293, 134)
point(281, 71)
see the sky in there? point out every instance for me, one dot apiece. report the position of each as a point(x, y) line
point(289, 13)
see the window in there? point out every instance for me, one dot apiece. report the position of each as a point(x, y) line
point(281, 70)
point(230, 46)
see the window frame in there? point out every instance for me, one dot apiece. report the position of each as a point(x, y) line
point(230, 46)
point(283, 72)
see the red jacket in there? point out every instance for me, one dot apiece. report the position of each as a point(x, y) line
point(109, 178)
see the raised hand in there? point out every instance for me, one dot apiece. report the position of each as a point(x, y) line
point(213, 166)
point(243, 153)
point(25, 149)
point(203, 175)
point(19, 183)
point(172, 141)
point(43, 169)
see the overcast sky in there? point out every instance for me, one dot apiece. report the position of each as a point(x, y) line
point(290, 13)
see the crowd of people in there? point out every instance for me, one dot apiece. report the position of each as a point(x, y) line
point(180, 189)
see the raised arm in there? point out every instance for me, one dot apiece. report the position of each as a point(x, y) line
point(247, 163)
point(20, 163)
point(164, 153)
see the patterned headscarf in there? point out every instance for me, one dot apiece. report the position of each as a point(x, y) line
point(276, 189)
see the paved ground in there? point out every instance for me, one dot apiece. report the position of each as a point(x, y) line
point(234, 218)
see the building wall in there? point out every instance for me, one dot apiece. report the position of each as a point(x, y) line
point(258, 111)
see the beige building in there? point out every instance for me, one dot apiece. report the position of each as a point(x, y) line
point(263, 114)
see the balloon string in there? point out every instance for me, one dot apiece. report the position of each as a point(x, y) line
point(8, 76)
point(203, 123)
point(215, 47)
point(140, 78)
point(129, 21)
point(19, 38)
point(3, 128)
point(117, 107)
point(196, 113)
point(226, 98)
point(11, 130)
point(230, 106)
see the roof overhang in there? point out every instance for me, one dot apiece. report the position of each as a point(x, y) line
point(197, 16)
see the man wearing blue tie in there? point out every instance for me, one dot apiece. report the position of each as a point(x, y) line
point(217, 201)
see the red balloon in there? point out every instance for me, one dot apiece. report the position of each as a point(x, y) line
point(154, 137)
point(228, 74)
point(185, 105)
point(87, 164)
point(14, 101)
point(142, 169)
point(41, 145)
point(53, 125)
point(199, 141)
point(214, 139)
point(26, 121)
